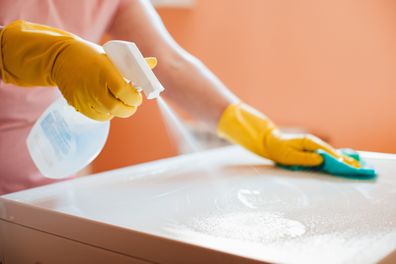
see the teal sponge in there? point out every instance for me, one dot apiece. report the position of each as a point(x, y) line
point(336, 167)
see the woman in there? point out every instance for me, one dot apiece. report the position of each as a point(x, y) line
point(42, 53)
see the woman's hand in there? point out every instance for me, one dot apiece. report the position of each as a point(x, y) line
point(38, 55)
point(244, 125)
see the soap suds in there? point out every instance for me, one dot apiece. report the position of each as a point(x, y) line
point(248, 226)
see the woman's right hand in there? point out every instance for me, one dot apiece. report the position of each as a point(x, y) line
point(38, 55)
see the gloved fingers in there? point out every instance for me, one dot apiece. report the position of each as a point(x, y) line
point(107, 103)
point(127, 93)
point(151, 61)
point(312, 143)
point(301, 158)
point(123, 111)
point(124, 92)
point(350, 161)
point(91, 112)
point(85, 105)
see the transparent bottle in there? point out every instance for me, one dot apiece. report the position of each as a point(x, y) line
point(64, 141)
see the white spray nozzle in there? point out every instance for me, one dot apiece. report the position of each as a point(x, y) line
point(132, 65)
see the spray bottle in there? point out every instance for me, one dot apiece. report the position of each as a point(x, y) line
point(63, 141)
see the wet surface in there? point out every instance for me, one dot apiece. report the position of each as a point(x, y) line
point(235, 202)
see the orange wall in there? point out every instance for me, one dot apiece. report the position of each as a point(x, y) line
point(328, 66)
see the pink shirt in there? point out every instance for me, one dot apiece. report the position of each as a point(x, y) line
point(20, 107)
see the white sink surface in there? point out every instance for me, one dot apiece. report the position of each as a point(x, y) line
point(226, 200)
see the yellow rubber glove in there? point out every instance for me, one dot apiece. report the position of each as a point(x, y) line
point(38, 55)
point(244, 125)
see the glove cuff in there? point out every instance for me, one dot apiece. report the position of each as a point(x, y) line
point(244, 125)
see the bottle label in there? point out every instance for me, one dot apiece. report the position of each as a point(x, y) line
point(58, 133)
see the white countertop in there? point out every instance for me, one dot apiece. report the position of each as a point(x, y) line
point(226, 200)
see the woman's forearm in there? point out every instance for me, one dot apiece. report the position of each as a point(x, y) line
point(195, 88)
point(188, 82)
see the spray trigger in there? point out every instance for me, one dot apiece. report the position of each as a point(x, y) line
point(132, 65)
